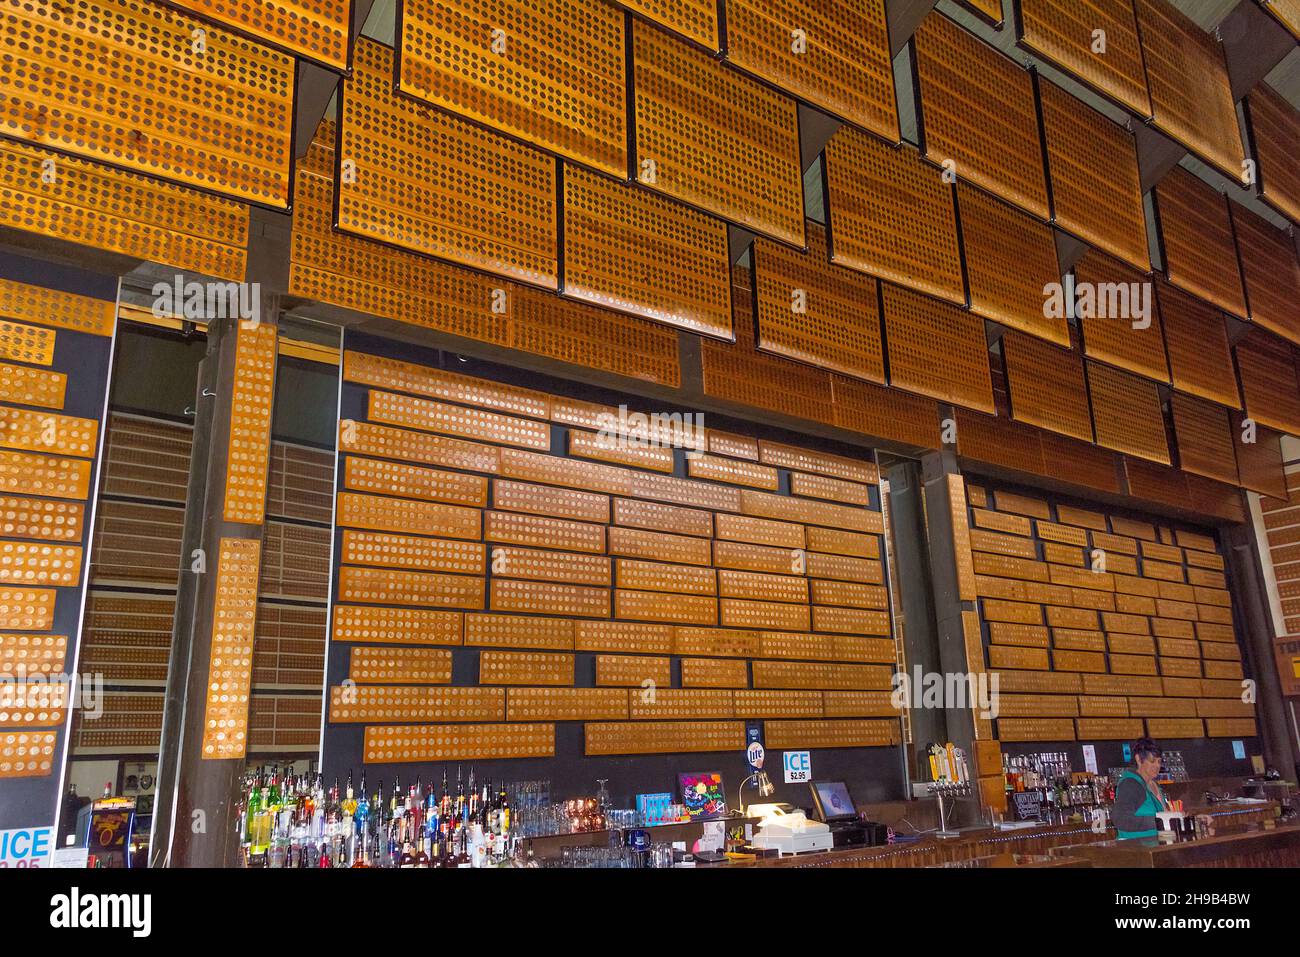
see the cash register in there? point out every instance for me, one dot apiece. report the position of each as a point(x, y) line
point(834, 806)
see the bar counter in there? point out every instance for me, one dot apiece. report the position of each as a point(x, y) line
point(1026, 844)
point(1250, 845)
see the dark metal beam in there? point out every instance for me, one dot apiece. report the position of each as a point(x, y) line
point(1253, 44)
point(316, 85)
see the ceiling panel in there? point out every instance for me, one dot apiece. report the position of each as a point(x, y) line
point(936, 349)
point(1046, 385)
point(550, 72)
point(1196, 232)
point(317, 30)
point(1196, 337)
point(439, 185)
point(1096, 191)
point(978, 110)
point(715, 139)
point(816, 312)
point(1204, 435)
point(1126, 413)
point(1061, 32)
point(1187, 77)
point(845, 68)
point(1271, 270)
point(891, 215)
point(1010, 258)
point(1128, 332)
point(1269, 384)
point(79, 79)
point(1275, 131)
point(628, 249)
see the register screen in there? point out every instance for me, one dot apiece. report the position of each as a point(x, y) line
point(835, 800)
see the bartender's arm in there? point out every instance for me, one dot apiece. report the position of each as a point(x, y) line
point(1129, 796)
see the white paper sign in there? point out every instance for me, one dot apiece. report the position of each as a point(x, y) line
point(1090, 758)
point(798, 767)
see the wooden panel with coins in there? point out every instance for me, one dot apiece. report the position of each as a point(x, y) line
point(571, 562)
point(1100, 625)
point(55, 346)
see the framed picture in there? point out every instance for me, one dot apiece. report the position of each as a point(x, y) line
point(703, 795)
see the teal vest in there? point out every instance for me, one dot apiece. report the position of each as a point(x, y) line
point(1148, 808)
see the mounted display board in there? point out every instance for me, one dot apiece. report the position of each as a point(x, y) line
point(1187, 77)
point(891, 215)
point(979, 113)
point(715, 139)
point(1064, 32)
point(1127, 623)
point(1093, 167)
point(549, 72)
point(439, 185)
point(833, 55)
point(228, 125)
point(317, 30)
point(612, 585)
point(60, 322)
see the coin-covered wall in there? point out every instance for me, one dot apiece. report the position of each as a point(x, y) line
point(56, 342)
point(523, 585)
point(1101, 625)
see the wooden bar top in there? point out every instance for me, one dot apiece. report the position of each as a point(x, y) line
point(1251, 845)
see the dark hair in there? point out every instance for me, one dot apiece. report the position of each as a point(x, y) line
point(1146, 748)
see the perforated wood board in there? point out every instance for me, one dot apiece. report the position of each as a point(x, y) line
point(1126, 413)
point(1187, 77)
point(626, 248)
point(936, 349)
point(404, 744)
point(1009, 259)
point(663, 737)
point(1275, 128)
point(550, 73)
point(1062, 31)
point(1271, 271)
point(1196, 336)
point(816, 312)
point(1205, 438)
point(1125, 330)
point(317, 30)
point(55, 308)
point(439, 185)
point(694, 19)
point(96, 205)
point(892, 215)
point(250, 423)
point(229, 125)
point(978, 110)
point(1092, 162)
point(715, 139)
point(1047, 385)
point(230, 675)
point(1266, 365)
point(844, 66)
point(1200, 255)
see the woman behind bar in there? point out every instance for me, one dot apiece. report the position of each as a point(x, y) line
point(1138, 797)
